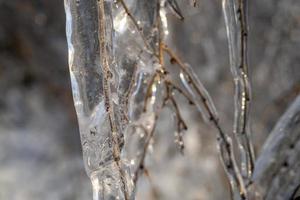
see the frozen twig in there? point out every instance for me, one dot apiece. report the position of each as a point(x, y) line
point(224, 142)
point(181, 125)
point(243, 129)
point(237, 34)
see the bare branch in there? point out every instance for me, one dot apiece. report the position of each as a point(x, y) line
point(276, 175)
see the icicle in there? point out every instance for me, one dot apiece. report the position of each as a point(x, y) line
point(95, 79)
point(235, 20)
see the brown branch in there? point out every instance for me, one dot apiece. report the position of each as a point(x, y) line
point(181, 125)
point(181, 122)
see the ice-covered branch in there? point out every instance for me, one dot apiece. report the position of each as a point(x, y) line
point(235, 14)
point(243, 128)
point(276, 175)
point(202, 100)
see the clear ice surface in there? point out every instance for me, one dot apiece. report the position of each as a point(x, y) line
point(110, 68)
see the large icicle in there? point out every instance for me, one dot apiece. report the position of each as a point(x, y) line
point(235, 14)
point(111, 60)
point(95, 81)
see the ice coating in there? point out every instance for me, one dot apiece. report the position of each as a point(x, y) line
point(120, 85)
point(107, 54)
point(235, 15)
point(95, 80)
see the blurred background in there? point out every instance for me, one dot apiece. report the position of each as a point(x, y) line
point(40, 153)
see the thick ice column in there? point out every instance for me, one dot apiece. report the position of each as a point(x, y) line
point(112, 49)
point(95, 90)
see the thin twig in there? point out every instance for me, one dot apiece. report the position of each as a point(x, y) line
point(175, 58)
point(242, 123)
point(183, 93)
point(181, 125)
